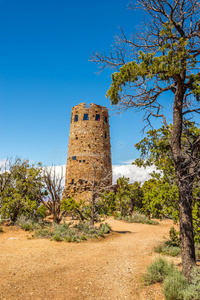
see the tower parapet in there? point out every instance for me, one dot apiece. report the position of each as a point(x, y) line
point(88, 149)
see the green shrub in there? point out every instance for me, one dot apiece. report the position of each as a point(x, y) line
point(68, 239)
point(28, 223)
point(28, 227)
point(136, 218)
point(83, 238)
point(174, 285)
point(60, 229)
point(157, 271)
point(174, 251)
point(57, 238)
point(168, 249)
point(41, 211)
point(43, 233)
point(193, 290)
point(104, 228)
point(197, 250)
point(174, 237)
point(1, 229)
point(158, 249)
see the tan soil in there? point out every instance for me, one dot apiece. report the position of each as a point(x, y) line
point(107, 268)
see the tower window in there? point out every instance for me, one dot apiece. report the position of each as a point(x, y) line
point(76, 138)
point(73, 157)
point(84, 161)
point(76, 118)
point(85, 117)
point(72, 181)
point(106, 120)
point(80, 161)
point(105, 135)
point(97, 117)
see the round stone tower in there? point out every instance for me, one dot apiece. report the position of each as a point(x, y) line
point(89, 152)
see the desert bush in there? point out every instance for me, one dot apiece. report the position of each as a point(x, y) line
point(84, 226)
point(57, 238)
point(197, 250)
point(27, 223)
point(136, 218)
point(68, 239)
point(193, 290)
point(174, 237)
point(158, 249)
point(174, 285)
point(104, 228)
point(157, 271)
point(174, 251)
point(43, 233)
point(167, 249)
point(1, 229)
point(79, 232)
point(41, 211)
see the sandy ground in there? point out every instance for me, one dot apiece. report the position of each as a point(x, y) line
point(107, 268)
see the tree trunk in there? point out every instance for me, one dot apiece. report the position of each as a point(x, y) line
point(186, 229)
point(185, 185)
point(92, 209)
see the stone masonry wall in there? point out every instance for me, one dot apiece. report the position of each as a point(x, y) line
point(89, 148)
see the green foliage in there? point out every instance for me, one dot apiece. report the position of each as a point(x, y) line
point(197, 250)
point(28, 223)
point(168, 249)
point(136, 218)
point(128, 196)
point(23, 192)
point(174, 285)
point(1, 229)
point(41, 211)
point(196, 216)
point(79, 232)
point(57, 238)
point(163, 65)
point(174, 237)
point(68, 239)
point(157, 271)
point(193, 290)
point(107, 203)
point(104, 228)
point(161, 194)
point(69, 204)
point(43, 233)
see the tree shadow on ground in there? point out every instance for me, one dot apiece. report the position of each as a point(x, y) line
point(123, 232)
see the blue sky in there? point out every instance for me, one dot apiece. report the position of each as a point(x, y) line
point(45, 70)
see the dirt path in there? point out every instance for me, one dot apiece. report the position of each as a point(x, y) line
point(109, 268)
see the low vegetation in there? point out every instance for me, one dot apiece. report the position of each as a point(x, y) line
point(62, 232)
point(171, 247)
point(175, 284)
point(136, 217)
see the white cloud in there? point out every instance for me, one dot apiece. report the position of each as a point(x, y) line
point(131, 171)
point(126, 169)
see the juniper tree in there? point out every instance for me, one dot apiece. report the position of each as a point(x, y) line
point(163, 57)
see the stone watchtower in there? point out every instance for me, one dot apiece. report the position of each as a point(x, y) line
point(88, 149)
